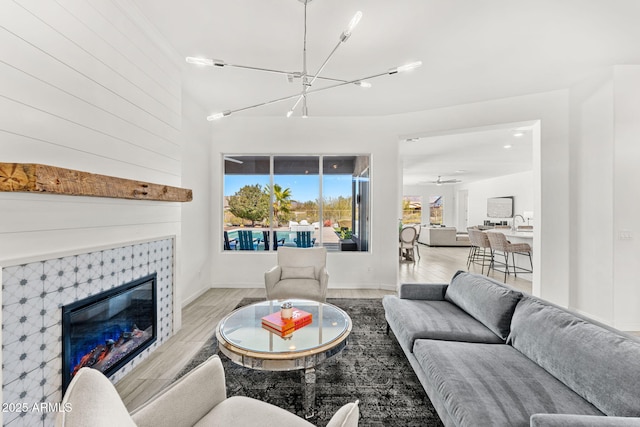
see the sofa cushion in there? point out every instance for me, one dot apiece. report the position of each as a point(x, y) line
point(441, 320)
point(569, 420)
point(245, 411)
point(597, 362)
point(296, 288)
point(488, 301)
point(493, 385)
point(297, 272)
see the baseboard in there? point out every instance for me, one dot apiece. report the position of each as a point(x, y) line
point(628, 327)
point(194, 297)
point(380, 286)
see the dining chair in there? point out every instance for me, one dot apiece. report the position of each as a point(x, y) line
point(408, 236)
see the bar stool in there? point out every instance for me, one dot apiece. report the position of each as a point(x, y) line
point(478, 254)
point(500, 243)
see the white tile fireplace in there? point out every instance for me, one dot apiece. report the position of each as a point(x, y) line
point(32, 297)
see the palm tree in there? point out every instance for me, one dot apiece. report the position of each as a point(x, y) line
point(281, 201)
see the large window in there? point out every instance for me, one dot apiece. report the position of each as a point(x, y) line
point(296, 200)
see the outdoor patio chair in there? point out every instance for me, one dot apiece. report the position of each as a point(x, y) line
point(229, 244)
point(246, 242)
point(304, 240)
point(277, 241)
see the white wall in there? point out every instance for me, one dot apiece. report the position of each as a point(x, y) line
point(605, 132)
point(592, 141)
point(247, 135)
point(519, 185)
point(626, 205)
point(195, 257)
point(75, 94)
point(380, 137)
point(89, 86)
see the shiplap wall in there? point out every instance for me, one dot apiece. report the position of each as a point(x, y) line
point(87, 85)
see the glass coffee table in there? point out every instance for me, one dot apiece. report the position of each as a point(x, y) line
point(242, 339)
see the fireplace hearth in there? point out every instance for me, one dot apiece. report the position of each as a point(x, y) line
point(107, 330)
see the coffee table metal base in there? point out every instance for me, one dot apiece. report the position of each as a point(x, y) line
point(306, 363)
point(309, 392)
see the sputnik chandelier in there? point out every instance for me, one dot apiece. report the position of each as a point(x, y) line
point(307, 79)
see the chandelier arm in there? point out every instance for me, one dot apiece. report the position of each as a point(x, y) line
point(268, 70)
point(300, 95)
point(296, 74)
point(332, 79)
point(306, 85)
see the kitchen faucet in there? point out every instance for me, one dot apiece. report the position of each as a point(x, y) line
point(514, 221)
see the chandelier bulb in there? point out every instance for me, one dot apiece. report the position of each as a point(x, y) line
point(205, 61)
point(218, 116)
point(354, 22)
point(289, 113)
point(363, 84)
point(199, 61)
point(410, 66)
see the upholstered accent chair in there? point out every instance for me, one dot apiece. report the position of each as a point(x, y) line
point(300, 273)
point(197, 399)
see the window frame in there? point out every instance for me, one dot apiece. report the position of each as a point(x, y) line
point(321, 175)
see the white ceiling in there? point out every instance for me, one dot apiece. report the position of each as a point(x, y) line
point(471, 50)
point(468, 155)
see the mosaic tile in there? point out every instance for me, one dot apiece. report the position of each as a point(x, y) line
point(26, 419)
point(20, 282)
point(89, 267)
point(52, 373)
point(33, 295)
point(59, 273)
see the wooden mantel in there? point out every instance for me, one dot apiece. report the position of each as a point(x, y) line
point(29, 177)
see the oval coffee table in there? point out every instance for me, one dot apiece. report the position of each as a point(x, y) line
point(242, 339)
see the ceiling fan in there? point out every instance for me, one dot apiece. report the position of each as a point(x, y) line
point(440, 181)
point(307, 77)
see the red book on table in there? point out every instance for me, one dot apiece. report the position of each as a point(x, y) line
point(298, 319)
point(289, 331)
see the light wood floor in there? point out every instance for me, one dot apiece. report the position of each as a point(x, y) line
point(437, 265)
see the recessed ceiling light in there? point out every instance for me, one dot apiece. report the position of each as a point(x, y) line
point(518, 133)
point(460, 171)
point(507, 146)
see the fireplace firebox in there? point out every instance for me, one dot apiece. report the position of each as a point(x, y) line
point(107, 330)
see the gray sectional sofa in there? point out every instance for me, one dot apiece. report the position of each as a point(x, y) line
point(489, 355)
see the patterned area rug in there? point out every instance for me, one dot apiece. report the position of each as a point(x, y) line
point(372, 368)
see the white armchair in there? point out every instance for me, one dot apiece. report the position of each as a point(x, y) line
point(300, 273)
point(197, 399)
